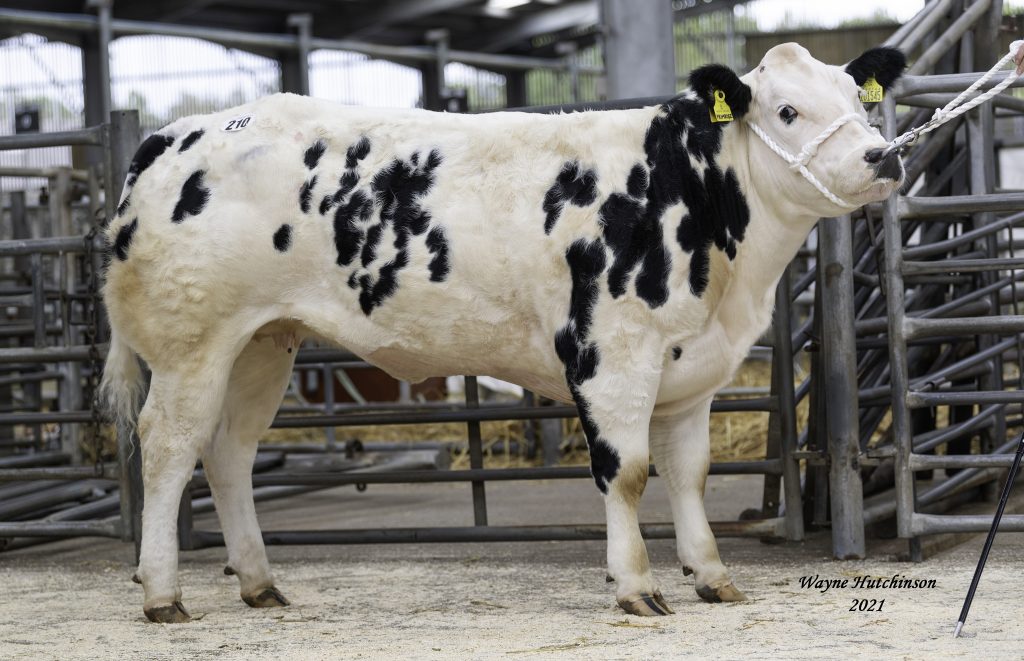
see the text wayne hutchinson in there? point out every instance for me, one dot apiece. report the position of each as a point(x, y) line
point(895, 582)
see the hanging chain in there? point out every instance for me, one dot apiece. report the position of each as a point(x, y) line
point(91, 332)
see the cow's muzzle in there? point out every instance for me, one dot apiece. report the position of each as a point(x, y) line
point(886, 163)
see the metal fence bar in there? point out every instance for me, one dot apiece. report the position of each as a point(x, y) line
point(764, 528)
point(277, 42)
point(88, 136)
point(915, 207)
point(58, 529)
point(931, 524)
point(285, 478)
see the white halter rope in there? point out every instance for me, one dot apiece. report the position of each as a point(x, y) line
point(799, 163)
point(953, 109)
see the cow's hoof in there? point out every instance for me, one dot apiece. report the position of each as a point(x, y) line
point(646, 605)
point(228, 571)
point(172, 614)
point(136, 579)
point(687, 571)
point(608, 578)
point(727, 592)
point(269, 598)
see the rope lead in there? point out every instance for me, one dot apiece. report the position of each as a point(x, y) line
point(954, 109)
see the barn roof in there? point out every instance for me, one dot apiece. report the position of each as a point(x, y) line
point(490, 26)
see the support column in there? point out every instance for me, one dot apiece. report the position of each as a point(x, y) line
point(515, 88)
point(842, 410)
point(295, 64)
point(639, 48)
point(96, 75)
point(431, 87)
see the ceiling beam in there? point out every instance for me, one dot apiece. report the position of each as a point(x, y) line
point(401, 11)
point(697, 7)
point(576, 14)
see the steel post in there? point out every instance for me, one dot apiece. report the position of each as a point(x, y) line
point(303, 24)
point(105, 35)
point(476, 456)
point(782, 366)
point(840, 355)
point(898, 376)
point(639, 48)
point(124, 137)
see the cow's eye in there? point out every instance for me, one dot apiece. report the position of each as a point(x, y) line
point(787, 114)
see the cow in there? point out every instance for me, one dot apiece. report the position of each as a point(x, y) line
point(624, 261)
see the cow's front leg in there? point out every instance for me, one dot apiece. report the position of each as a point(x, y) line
point(615, 416)
point(681, 447)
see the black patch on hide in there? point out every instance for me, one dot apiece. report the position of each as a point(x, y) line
point(716, 209)
point(348, 235)
point(306, 194)
point(146, 154)
point(604, 460)
point(437, 243)
point(283, 238)
point(374, 292)
point(124, 239)
point(632, 220)
point(194, 197)
point(587, 263)
point(397, 189)
point(121, 208)
point(676, 353)
point(574, 185)
point(367, 209)
point(190, 140)
point(357, 152)
point(350, 178)
point(885, 64)
point(312, 156)
point(580, 356)
point(632, 229)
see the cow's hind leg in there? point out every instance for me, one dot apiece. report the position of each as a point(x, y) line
point(258, 381)
point(615, 418)
point(178, 419)
point(681, 447)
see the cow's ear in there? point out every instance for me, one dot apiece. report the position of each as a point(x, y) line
point(884, 64)
point(706, 79)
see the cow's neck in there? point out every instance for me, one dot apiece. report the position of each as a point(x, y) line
point(775, 233)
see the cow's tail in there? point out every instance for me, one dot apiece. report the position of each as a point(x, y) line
point(122, 388)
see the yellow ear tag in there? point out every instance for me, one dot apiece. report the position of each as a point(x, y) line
point(721, 112)
point(871, 91)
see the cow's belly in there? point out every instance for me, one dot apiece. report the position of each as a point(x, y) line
point(545, 378)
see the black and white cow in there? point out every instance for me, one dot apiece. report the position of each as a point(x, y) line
point(622, 260)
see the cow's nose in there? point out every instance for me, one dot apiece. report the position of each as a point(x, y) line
point(886, 165)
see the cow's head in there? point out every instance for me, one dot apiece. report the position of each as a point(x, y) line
point(794, 98)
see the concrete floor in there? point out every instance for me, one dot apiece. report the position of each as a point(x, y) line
point(73, 599)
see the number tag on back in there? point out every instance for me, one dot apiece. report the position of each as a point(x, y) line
point(237, 124)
